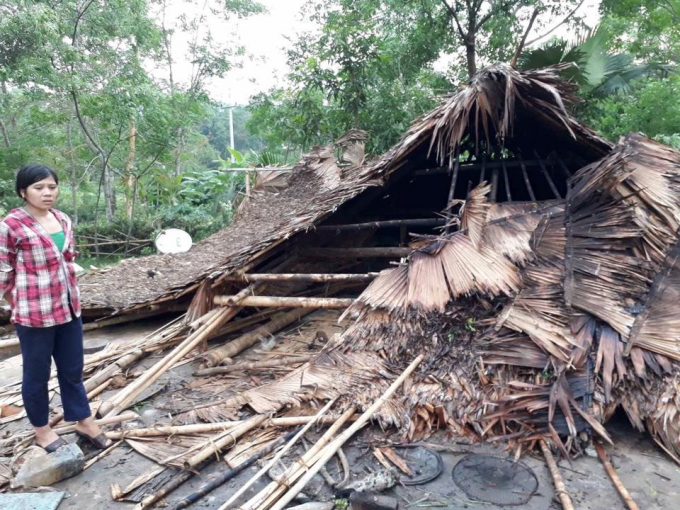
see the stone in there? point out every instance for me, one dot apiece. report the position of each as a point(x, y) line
point(41, 470)
point(20, 458)
point(372, 501)
point(377, 481)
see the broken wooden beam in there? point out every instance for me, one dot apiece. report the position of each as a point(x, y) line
point(351, 253)
point(415, 222)
point(216, 356)
point(310, 277)
point(288, 302)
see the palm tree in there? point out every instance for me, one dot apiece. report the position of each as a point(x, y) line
point(598, 72)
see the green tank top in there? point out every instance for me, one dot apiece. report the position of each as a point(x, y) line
point(59, 239)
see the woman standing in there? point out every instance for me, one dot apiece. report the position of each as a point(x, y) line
point(38, 280)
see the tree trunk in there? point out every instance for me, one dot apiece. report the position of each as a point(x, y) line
point(178, 152)
point(5, 136)
point(109, 192)
point(131, 178)
point(73, 174)
point(471, 57)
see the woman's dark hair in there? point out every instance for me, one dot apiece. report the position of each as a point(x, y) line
point(30, 174)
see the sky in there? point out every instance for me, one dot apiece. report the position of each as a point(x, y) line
point(266, 38)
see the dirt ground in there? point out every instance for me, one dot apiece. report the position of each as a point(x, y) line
point(652, 479)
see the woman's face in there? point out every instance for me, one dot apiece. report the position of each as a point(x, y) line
point(42, 194)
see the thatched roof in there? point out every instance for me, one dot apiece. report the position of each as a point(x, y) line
point(511, 109)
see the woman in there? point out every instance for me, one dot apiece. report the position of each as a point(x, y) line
point(37, 279)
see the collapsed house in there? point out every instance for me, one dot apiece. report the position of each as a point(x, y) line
point(527, 263)
point(565, 275)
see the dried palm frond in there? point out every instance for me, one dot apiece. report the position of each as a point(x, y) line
point(610, 357)
point(657, 326)
point(389, 290)
point(511, 348)
point(468, 269)
point(474, 214)
point(510, 228)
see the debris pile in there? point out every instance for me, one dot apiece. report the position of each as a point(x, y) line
point(502, 273)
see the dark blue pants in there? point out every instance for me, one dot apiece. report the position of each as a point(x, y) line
point(64, 343)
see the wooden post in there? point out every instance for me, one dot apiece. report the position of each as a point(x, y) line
point(526, 179)
point(288, 302)
point(416, 222)
point(507, 182)
point(310, 277)
point(366, 252)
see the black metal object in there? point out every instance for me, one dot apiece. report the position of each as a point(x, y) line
point(426, 464)
point(494, 479)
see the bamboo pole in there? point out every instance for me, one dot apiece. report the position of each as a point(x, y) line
point(625, 495)
point(255, 365)
point(170, 430)
point(229, 438)
point(279, 455)
point(337, 443)
point(112, 370)
point(191, 464)
point(367, 252)
point(227, 475)
point(129, 415)
point(122, 399)
point(278, 486)
point(215, 356)
point(560, 488)
point(198, 428)
point(287, 302)
point(415, 222)
point(309, 277)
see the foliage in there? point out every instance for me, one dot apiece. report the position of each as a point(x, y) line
point(597, 71)
point(652, 108)
point(368, 67)
point(85, 89)
point(648, 29)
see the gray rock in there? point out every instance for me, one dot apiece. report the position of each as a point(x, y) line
point(51, 468)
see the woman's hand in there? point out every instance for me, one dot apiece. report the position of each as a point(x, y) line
point(8, 297)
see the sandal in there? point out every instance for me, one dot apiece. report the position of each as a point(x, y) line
point(100, 441)
point(54, 445)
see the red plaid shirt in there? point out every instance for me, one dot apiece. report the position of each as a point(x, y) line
point(40, 279)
